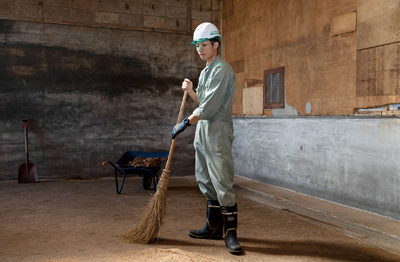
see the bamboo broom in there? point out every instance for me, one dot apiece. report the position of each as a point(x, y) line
point(149, 225)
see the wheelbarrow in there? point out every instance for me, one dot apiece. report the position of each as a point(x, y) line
point(148, 173)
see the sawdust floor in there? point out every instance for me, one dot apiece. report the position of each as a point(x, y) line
point(82, 220)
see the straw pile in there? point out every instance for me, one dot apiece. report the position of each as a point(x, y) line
point(142, 161)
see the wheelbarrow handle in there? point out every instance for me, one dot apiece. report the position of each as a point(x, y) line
point(114, 166)
point(109, 162)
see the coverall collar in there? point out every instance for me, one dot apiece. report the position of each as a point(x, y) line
point(217, 58)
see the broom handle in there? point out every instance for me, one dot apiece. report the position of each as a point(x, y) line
point(171, 150)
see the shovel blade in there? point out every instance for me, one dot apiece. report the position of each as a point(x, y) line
point(27, 177)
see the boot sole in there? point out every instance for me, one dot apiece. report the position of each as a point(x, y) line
point(206, 237)
point(236, 253)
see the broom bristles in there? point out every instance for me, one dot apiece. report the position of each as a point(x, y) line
point(149, 225)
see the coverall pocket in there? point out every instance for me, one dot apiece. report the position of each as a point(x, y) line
point(221, 138)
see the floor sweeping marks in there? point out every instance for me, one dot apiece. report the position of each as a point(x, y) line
point(169, 255)
point(62, 260)
point(148, 255)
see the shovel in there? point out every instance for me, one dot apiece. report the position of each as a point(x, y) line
point(27, 172)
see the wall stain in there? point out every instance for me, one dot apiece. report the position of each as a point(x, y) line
point(85, 108)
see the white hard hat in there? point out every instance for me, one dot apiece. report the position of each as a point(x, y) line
point(204, 32)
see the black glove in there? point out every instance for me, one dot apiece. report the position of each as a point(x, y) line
point(179, 128)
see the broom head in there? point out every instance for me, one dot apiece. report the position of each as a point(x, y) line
point(149, 225)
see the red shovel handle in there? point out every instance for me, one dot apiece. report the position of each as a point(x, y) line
point(25, 120)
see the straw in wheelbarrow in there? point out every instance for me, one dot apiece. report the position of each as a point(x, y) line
point(149, 225)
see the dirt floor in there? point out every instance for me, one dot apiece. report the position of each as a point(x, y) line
point(82, 220)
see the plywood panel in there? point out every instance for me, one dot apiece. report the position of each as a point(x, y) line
point(344, 24)
point(378, 23)
point(252, 101)
point(378, 71)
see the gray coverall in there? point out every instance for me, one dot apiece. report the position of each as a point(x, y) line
point(214, 132)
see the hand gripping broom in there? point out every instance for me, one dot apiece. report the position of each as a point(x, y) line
point(149, 225)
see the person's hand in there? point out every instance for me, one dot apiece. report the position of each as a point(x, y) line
point(187, 85)
point(179, 128)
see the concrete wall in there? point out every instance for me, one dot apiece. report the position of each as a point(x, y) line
point(348, 160)
point(96, 78)
point(92, 94)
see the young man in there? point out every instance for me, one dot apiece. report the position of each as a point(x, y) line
point(213, 139)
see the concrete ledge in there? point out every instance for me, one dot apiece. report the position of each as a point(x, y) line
point(365, 226)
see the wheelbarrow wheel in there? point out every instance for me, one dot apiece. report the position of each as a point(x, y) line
point(146, 181)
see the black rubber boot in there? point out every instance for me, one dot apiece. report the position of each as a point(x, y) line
point(229, 216)
point(213, 227)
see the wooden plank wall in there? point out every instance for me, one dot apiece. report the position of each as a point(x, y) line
point(338, 55)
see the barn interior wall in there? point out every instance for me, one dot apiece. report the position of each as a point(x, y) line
point(339, 57)
point(97, 79)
